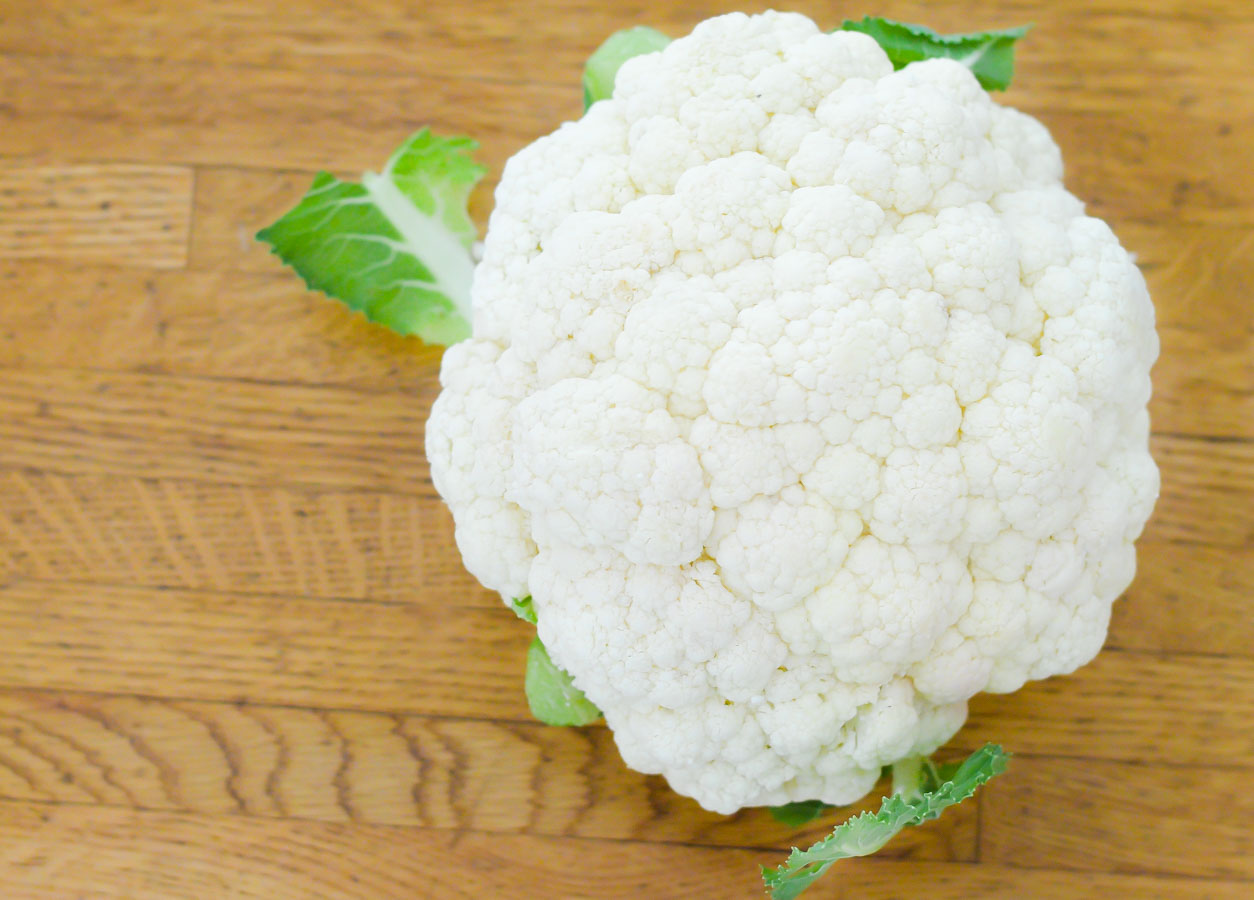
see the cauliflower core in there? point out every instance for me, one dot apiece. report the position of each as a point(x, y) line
point(805, 402)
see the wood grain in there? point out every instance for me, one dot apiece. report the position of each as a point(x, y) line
point(121, 214)
point(51, 851)
point(1201, 279)
point(868, 879)
point(235, 324)
point(1206, 491)
point(239, 656)
point(214, 324)
point(1189, 598)
point(1107, 816)
point(466, 662)
point(378, 37)
point(84, 421)
point(167, 113)
point(231, 537)
point(137, 425)
point(59, 851)
point(170, 113)
point(400, 657)
point(349, 545)
point(375, 768)
point(1144, 707)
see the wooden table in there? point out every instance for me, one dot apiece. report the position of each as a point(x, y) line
point(238, 654)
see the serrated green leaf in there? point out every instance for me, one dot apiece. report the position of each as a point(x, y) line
point(396, 247)
point(942, 773)
point(988, 54)
point(551, 693)
point(799, 813)
point(524, 609)
point(868, 832)
point(603, 65)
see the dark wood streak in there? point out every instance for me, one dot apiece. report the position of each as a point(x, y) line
point(274, 777)
point(596, 745)
point(67, 773)
point(425, 768)
point(21, 772)
point(343, 771)
point(230, 754)
point(167, 774)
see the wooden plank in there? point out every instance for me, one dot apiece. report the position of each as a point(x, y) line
point(435, 659)
point(231, 206)
point(353, 545)
point(48, 852)
point(1108, 167)
point(377, 769)
point(255, 538)
point(1199, 279)
point(451, 661)
point(122, 214)
point(218, 324)
point(1118, 817)
point(70, 109)
point(867, 879)
point(1188, 598)
point(1073, 42)
point(143, 425)
point(63, 851)
point(146, 426)
point(226, 325)
point(235, 324)
point(1207, 488)
point(1141, 707)
point(74, 108)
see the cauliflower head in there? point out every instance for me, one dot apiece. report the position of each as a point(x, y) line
point(805, 402)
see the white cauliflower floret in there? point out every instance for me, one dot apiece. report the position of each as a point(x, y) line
point(805, 402)
point(600, 463)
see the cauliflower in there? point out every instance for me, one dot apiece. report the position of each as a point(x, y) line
point(796, 401)
point(804, 402)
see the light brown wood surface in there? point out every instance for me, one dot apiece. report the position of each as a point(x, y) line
point(238, 654)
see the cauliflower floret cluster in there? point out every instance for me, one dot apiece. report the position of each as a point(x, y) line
point(805, 402)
